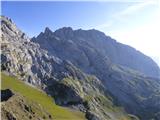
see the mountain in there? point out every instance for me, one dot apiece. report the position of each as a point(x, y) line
point(122, 69)
point(79, 71)
point(83, 41)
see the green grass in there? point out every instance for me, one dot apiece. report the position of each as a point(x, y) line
point(58, 113)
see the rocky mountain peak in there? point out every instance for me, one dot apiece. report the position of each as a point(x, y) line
point(47, 30)
point(66, 29)
point(6, 19)
point(8, 26)
point(64, 33)
point(47, 33)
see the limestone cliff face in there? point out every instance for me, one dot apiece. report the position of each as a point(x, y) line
point(85, 70)
point(26, 59)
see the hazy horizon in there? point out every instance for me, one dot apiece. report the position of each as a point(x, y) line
point(134, 24)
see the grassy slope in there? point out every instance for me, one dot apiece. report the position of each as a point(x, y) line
point(59, 113)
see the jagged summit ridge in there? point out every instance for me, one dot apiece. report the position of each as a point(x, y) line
point(47, 30)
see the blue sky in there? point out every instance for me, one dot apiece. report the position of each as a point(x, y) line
point(32, 17)
point(132, 23)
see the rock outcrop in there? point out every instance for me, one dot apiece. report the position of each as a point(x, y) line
point(6, 94)
point(19, 108)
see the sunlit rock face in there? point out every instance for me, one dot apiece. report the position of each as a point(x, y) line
point(26, 59)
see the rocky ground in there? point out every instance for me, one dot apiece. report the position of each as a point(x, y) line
point(18, 108)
